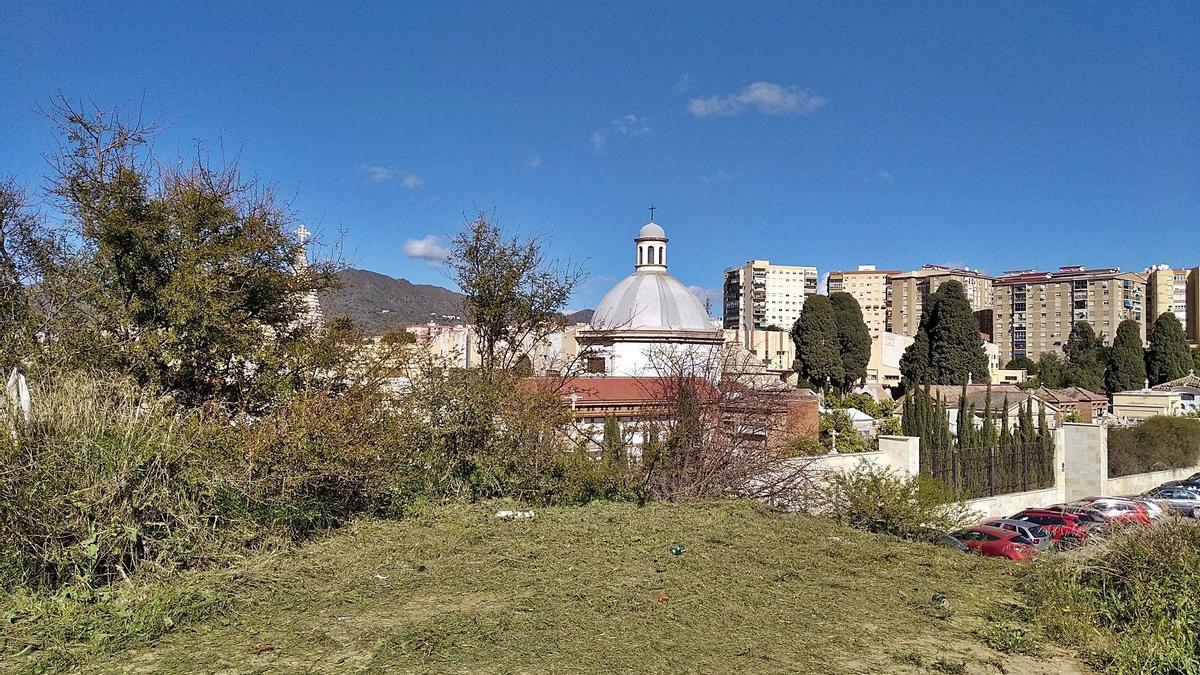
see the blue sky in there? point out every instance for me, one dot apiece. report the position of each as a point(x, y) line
point(1008, 136)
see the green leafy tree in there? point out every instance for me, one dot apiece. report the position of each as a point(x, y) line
point(1051, 370)
point(514, 296)
point(818, 347)
point(1169, 357)
point(853, 336)
point(1023, 363)
point(1196, 359)
point(196, 276)
point(848, 438)
point(29, 253)
point(1126, 359)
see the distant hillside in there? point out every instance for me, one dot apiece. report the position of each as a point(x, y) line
point(380, 303)
point(582, 316)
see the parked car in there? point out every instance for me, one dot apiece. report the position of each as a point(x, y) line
point(1178, 499)
point(1155, 508)
point(1090, 517)
point(995, 542)
point(1067, 530)
point(1035, 533)
point(950, 541)
point(1117, 509)
point(1192, 481)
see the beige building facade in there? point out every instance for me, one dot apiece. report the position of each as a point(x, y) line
point(1175, 290)
point(773, 347)
point(759, 295)
point(910, 289)
point(1034, 311)
point(872, 289)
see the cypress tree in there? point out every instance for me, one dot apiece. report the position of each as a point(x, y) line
point(1169, 357)
point(988, 432)
point(955, 348)
point(853, 336)
point(818, 349)
point(944, 438)
point(1126, 359)
point(1050, 368)
point(962, 423)
point(1085, 358)
point(612, 445)
point(1006, 439)
point(914, 364)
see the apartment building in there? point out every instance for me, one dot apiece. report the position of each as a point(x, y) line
point(1034, 311)
point(1176, 291)
point(872, 289)
point(909, 290)
point(759, 295)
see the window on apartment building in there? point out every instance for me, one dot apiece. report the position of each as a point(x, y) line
point(595, 364)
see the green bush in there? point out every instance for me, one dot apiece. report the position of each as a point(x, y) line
point(103, 480)
point(1129, 601)
point(1158, 444)
point(313, 463)
point(879, 500)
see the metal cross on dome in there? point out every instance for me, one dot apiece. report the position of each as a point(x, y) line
point(652, 213)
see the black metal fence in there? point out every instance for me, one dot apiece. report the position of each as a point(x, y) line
point(990, 471)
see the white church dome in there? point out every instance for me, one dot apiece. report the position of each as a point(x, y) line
point(650, 298)
point(652, 230)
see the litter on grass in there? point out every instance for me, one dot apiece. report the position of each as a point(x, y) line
point(514, 515)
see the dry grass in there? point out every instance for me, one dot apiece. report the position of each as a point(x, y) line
point(592, 589)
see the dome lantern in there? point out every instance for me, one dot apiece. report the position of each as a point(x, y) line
point(651, 245)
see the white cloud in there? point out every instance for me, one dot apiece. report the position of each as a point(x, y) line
point(533, 161)
point(887, 176)
point(721, 176)
point(823, 284)
point(428, 248)
point(683, 84)
point(625, 125)
point(767, 98)
point(412, 181)
point(378, 173)
point(709, 296)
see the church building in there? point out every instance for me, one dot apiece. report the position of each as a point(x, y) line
point(649, 315)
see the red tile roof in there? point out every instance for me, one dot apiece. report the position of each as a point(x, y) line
point(612, 389)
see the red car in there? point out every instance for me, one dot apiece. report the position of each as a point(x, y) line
point(1119, 510)
point(995, 542)
point(1067, 529)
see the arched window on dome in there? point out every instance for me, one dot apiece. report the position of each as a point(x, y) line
point(662, 255)
point(639, 255)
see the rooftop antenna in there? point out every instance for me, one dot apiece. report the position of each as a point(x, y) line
point(652, 213)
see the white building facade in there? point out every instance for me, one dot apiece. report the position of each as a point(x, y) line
point(759, 295)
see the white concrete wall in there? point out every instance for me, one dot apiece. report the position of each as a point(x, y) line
point(1003, 506)
point(1085, 456)
point(1140, 482)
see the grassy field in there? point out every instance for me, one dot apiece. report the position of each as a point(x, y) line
point(588, 590)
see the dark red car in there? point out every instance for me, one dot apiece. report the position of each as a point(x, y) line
point(1118, 509)
point(995, 542)
point(1067, 529)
